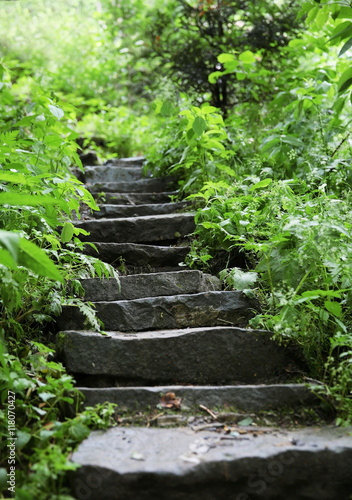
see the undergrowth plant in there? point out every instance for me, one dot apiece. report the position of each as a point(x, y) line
point(40, 253)
point(274, 188)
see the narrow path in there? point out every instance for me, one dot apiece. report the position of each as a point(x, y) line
point(178, 346)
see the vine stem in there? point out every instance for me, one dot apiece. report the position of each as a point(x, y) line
point(340, 144)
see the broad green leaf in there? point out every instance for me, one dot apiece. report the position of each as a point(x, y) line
point(167, 109)
point(19, 199)
point(16, 178)
point(339, 32)
point(345, 13)
point(262, 184)
point(67, 232)
point(35, 259)
point(56, 111)
point(289, 139)
point(199, 125)
point(270, 144)
point(322, 17)
point(10, 241)
point(346, 47)
point(333, 308)
point(6, 259)
point(306, 7)
point(79, 431)
point(53, 141)
point(190, 134)
point(312, 15)
point(207, 109)
point(224, 58)
point(247, 57)
point(240, 75)
point(22, 439)
point(345, 80)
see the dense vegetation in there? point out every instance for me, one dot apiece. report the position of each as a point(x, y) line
point(253, 118)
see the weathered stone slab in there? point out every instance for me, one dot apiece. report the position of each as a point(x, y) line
point(138, 198)
point(189, 356)
point(150, 228)
point(242, 397)
point(126, 162)
point(111, 173)
point(177, 464)
point(139, 186)
point(149, 285)
point(139, 254)
point(175, 311)
point(118, 211)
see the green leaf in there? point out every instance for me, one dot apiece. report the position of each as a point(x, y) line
point(67, 232)
point(245, 422)
point(247, 57)
point(345, 13)
point(270, 144)
point(56, 111)
point(307, 6)
point(342, 33)
point(333, 308)
point(19, 199)
point(223, 58)
point(79, 431)
point(346, 47)
point(289, 139)
point(6, 259)
point(312, 15)
point(167, 109)
point(262, 184)
point(240, 76)
point(345, 80)
point(3, 479)
point(199, 125)
point(10, 241)
point(46, 395)
point(36, 260)
point(22, 439)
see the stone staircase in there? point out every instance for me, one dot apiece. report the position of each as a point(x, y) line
point(203, 401)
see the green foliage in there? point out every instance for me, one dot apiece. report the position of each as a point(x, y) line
point(270, 179)
point(281, 208)
point(187, 37)
point(198, 151)
point(42, 392)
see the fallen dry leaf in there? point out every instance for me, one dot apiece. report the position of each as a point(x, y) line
point(169, 400)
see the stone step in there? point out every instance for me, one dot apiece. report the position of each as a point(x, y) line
point(118, 211)
point(174, 311)
point(133, 161)
point(150, 228)
point(217, 355)
point(138, 254)
point(137, 198)
point(176, 464)
point(112, 173)
point(149, 285)
point(139, 186)
point(254, 398)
